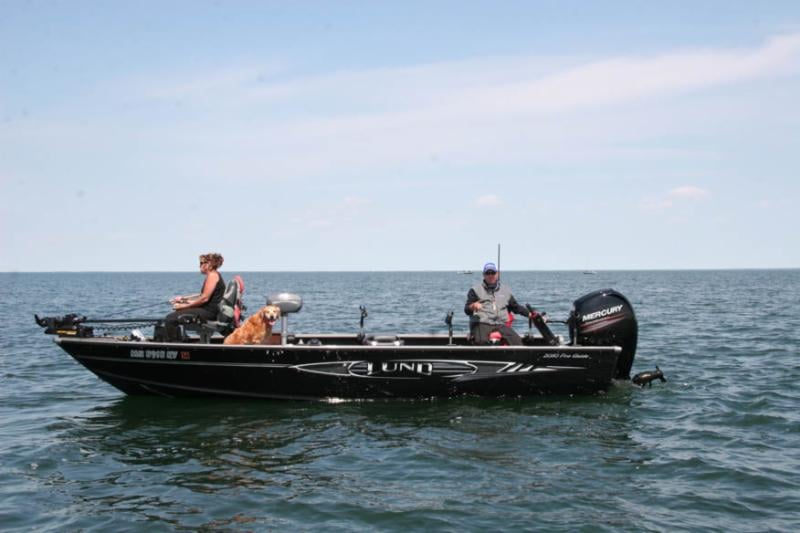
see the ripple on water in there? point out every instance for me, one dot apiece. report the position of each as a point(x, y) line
point(714, 448)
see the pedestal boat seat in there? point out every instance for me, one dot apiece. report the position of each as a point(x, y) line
point(229, 315)
point(288, 303)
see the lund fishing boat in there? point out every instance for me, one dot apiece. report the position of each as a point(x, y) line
point(329, 367)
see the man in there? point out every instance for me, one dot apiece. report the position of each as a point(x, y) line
point(489, 305)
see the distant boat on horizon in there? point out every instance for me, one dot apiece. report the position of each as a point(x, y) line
point(590, 272)
point(465, 271)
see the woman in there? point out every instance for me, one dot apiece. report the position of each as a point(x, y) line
point(204, 305)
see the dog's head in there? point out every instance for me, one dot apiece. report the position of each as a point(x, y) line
point(270, 314)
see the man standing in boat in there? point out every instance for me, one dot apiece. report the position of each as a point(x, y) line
point(489, 306)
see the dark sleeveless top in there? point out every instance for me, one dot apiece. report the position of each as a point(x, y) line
point(216, 297)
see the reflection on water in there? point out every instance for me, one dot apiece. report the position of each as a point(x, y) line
point(169, 462)
point(716, 446)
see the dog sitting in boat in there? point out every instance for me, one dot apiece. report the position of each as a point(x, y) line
point(257, 329)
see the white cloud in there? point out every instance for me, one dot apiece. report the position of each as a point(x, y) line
point(478, 87)
point(673, 198)
point(688, 192)
point(654, 205)
point(201, 87)
point(488, 200)
point(254, 123)
point(354, 201)
point(333, 214)
point(255, 127)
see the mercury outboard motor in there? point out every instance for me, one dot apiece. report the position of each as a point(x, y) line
point(606, 318)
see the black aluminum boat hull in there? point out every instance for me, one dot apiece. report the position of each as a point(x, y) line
point(340, 368)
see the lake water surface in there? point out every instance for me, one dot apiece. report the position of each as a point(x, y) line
point(716, 448)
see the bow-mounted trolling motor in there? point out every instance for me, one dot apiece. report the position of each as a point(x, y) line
point(68, 325)
point(74, 325)
point(605, 318)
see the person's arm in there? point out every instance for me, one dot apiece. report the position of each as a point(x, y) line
point(184, 299)
point(515, 307)
point(208, 289)
point(472, 304)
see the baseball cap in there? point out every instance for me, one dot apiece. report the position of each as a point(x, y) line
point(489, 266)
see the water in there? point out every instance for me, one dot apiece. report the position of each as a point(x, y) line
point(716, 448)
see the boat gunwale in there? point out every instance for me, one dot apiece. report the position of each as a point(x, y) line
point(326, 347)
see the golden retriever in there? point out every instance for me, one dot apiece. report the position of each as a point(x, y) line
point(257, 329)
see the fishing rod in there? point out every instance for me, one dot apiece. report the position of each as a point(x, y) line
point(75, 325)
point(528, 305)
point(118, 320)
point(140, 308)
point(498, 261)
point(73, 319)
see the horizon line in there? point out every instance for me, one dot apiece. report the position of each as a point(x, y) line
point(476, 271)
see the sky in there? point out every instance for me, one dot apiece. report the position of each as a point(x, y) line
point(350, 135)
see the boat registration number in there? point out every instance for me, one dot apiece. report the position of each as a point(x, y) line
point(167, 355)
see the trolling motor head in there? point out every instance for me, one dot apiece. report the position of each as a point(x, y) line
point(605, 318)
point(67, 325)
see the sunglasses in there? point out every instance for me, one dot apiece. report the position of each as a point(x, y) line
point(490, 272)
point(203, 262)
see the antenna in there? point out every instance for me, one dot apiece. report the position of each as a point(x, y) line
point(498, 260)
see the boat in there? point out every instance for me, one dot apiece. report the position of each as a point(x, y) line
point(465, 272)
point(361, 366)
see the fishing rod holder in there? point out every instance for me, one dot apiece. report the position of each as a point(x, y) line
point(364, 314)
point(449, 321)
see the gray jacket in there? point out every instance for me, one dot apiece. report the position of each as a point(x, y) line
point(496, 304)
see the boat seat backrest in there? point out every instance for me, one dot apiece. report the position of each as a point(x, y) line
point(230, 313)
point(232, 306)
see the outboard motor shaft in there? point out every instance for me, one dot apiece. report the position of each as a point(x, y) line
point(606, 318)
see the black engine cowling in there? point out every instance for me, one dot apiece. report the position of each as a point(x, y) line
point(606, 318)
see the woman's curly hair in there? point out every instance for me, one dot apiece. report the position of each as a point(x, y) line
point(214, 260)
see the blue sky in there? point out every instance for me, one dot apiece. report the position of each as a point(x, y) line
point(399, 136)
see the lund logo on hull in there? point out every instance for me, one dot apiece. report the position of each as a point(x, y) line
point(392, 368)
point(398, 369)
